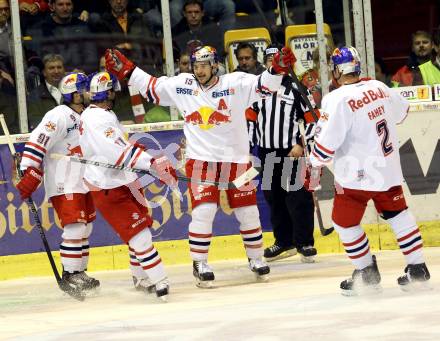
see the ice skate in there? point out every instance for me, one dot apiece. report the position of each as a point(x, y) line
point(203, 274)
point(90, 282)
point(363, 282)
point(162, 289)
point(416, 277)
point(275, 252)
point(143, 284)
point(75, 280)
point(308, 254)
point(259, 268)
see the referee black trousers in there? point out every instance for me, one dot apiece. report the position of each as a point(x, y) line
point(291, 211)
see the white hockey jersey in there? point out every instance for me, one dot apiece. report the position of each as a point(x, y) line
point(58, 132)
point(357, 130)
point(102, 139)
point(215, 128)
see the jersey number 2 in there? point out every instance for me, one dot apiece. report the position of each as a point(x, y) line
point(382, 130)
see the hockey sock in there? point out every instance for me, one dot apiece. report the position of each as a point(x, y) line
point(135, 266)
point(250, 230)
point(408, 236)
point(356, 245)
point(85, 246)
point(147, 256)
point(72, 246)
point(200, 230)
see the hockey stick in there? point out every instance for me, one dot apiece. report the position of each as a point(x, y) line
point(237, 183)
point(62, 284)
point(322, 229)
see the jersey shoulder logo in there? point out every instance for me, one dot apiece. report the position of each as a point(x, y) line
point(50, 126)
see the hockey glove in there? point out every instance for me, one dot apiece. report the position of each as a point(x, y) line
point(312, 178)
point(118, 64)
point(164, 170)
point(29, 182)
point(283, 60)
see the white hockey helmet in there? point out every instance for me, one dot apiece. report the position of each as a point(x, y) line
point(100, 83)
point(71, 83)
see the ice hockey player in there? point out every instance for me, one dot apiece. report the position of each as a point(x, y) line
point(58, 132)
point(115, 194)
point(357, 131)
point(217, 145)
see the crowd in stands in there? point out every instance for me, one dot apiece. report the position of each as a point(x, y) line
point(62, 35)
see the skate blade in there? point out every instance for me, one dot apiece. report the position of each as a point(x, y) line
point(262, 278)
point(309, 259)
point(163, 298)
point(204, 284)
point(416, 287)
point(364, 290)
point(92, 292)
point(285, 254)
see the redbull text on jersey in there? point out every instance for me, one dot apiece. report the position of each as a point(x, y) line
point(368, 97)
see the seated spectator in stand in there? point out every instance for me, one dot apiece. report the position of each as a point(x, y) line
point(421, 51)
point(381, 71)
point(5, 31)
point(430, 70)
point(31, 12)
point(184, 63)
point(151, 14)
point(8, 95)
point(222, 11)
point(196, 29)
point(62, 31)
point(122, 25)
point(46, 96)
point(247, 54)
point(311, 78)
point(90, 11)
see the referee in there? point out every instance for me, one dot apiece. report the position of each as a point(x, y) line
point(273, 127)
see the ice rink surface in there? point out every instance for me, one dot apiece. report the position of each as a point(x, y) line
point(300, 302)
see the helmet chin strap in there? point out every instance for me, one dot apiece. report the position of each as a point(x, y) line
point(214, 71)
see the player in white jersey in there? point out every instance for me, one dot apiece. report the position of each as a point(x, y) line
point(357, 131)
point(58, 132)
point(115, 193)
point(217, 146)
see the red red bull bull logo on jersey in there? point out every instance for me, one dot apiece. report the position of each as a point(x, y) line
point(207, 118)
point(73, 151)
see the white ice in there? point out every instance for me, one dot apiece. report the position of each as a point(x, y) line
point(300, 302)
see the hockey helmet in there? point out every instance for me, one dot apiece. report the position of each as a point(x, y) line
point(99, 85)
point(71, 83)
point(204, 54)
point(346, 60)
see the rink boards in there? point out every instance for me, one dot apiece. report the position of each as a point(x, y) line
point(20, 244)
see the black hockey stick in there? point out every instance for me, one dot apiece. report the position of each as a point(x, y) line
point(62, 284)
point(237, 183)
point(322, 229)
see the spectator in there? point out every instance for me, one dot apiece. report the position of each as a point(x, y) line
point(47, 95)
point(246, 54)
point(196, 29)
point(430, 70)
point(62, 31)
point(8, 101)
point(31, 12)
point(222, 11)
point(311, 78)
point(120, 24)
point(151, 14)
point(381, 71)
point(184, 63)
point(421, 51)
point(90, 11)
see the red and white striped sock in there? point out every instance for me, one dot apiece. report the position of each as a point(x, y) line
point(356, 245)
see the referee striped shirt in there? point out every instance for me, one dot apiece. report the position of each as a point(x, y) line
point(276, 126)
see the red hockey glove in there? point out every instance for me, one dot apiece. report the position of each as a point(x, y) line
point(283, 60)
point(29, 182)
point(165, 171)
point(312, 178)
point(118, 64)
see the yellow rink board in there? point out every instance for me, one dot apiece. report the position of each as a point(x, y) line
point(222, 248)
